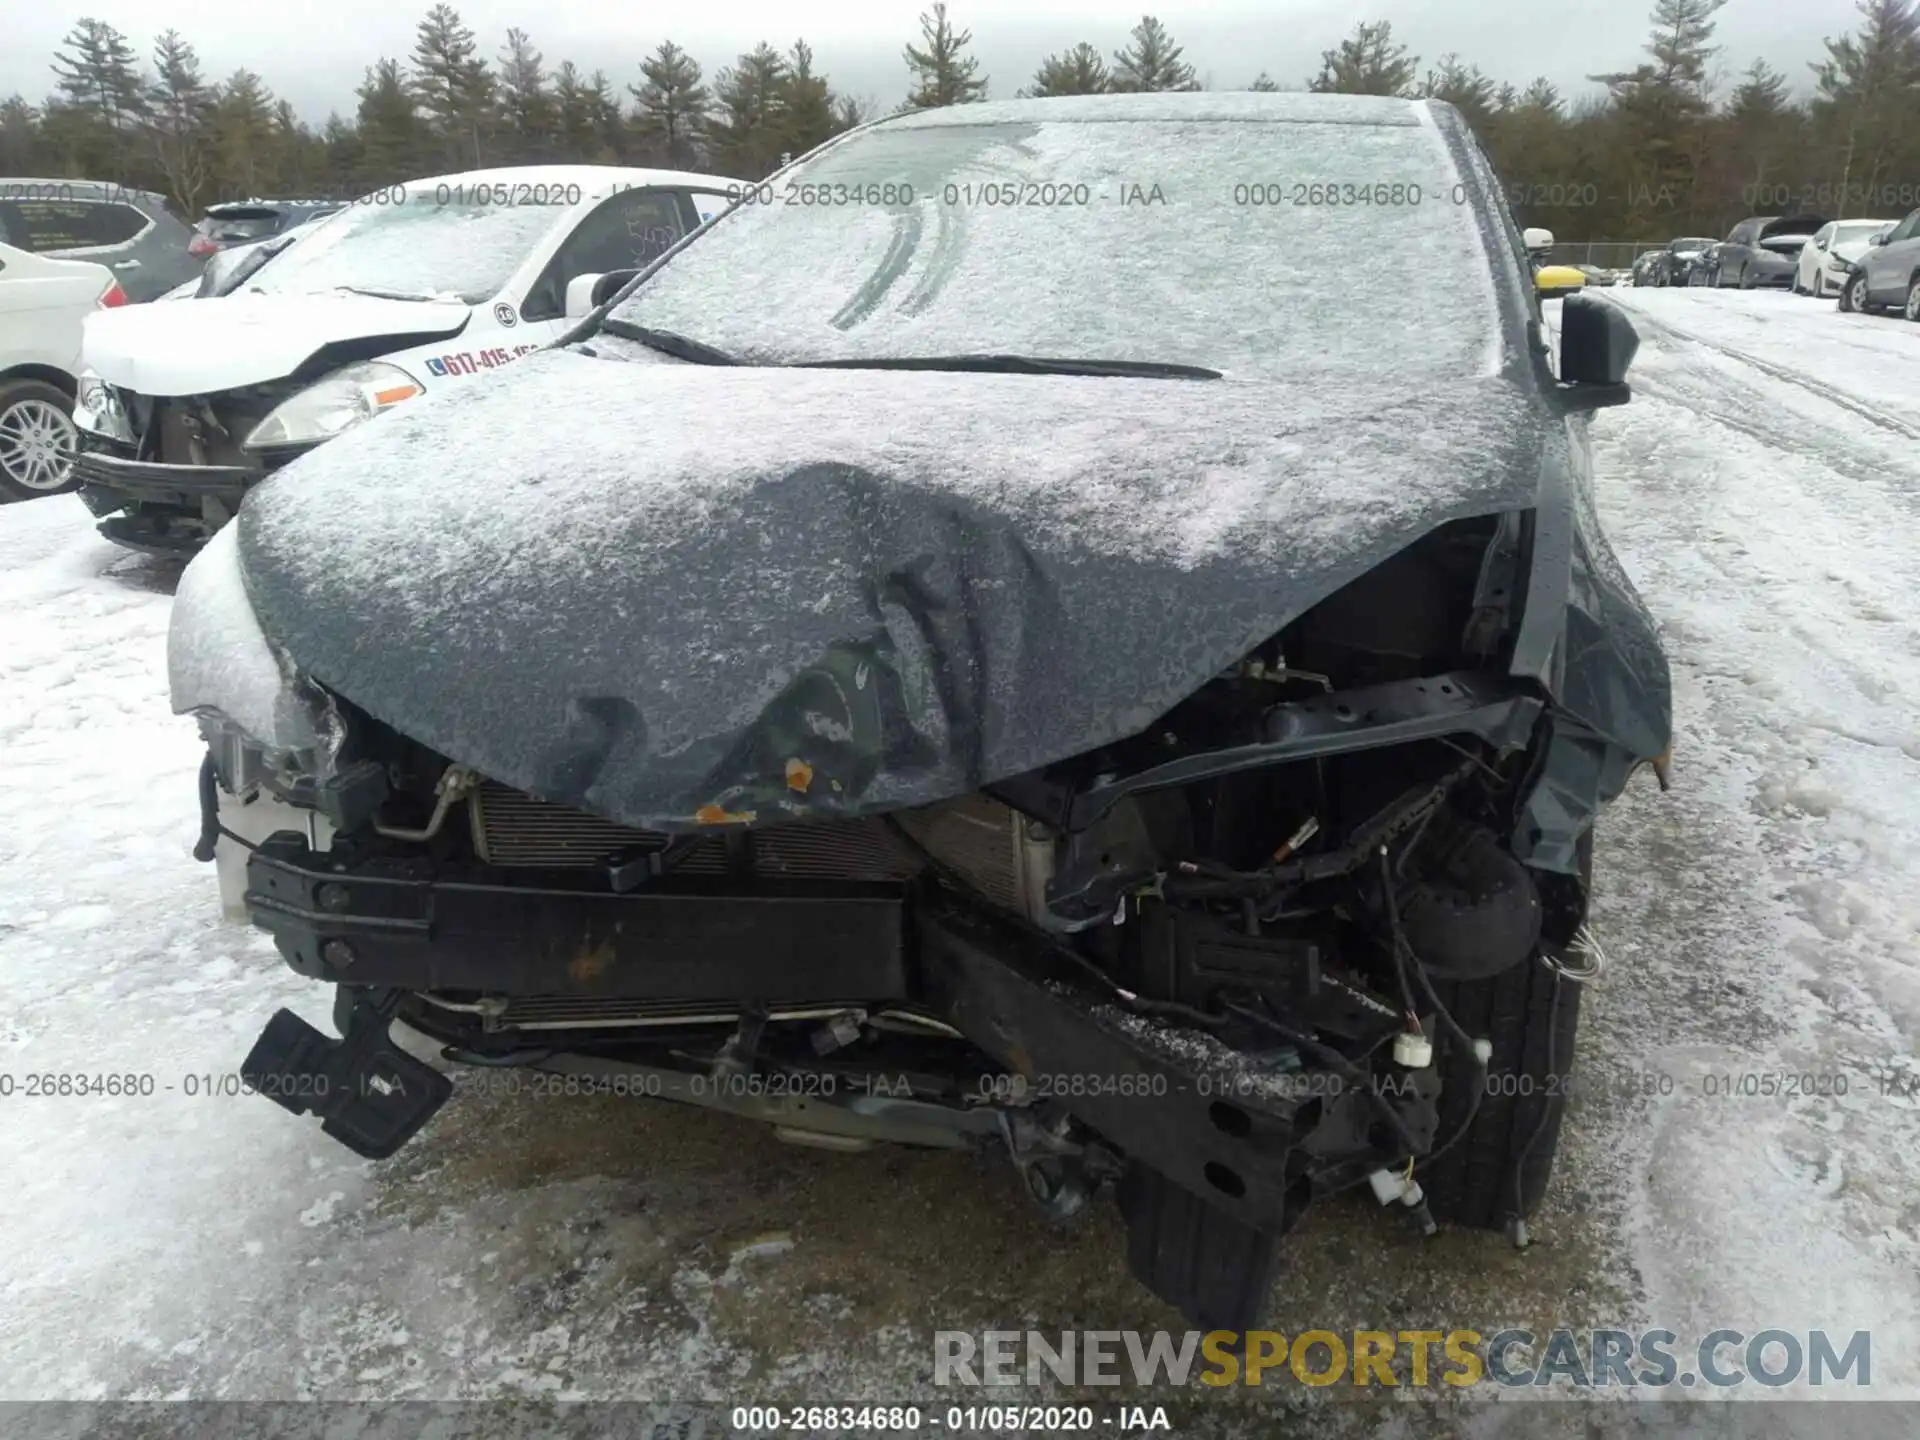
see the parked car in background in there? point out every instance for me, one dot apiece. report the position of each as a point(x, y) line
point(1887, 274)
point(1705, 269)
point(1643, 268)
point(1598, 274)
point(1763, 250)
point(184, 407)
point(1679, 258)
point(1829, 257)
point(244, 222)
point(131, 232)
point(227, 267)
point(778, 696)
point(43, 302)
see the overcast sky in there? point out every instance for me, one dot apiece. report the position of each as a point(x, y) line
point(313, 54)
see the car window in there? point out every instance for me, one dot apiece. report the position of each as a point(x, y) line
point(1151, 239)
point(410, 243)
point(710, 205)
point(241, 224)
point(627, 232)
point(1822, 236)
point(53, 226)
point(1905, 228)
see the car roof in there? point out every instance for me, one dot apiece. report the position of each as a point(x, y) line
point(81, 189)
point(590, 178)
point(1305, 107)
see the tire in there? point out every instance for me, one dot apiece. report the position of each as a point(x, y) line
point(1853, 294)
point(34, 415)
point(1911, 309)
point(1214, 1269)
point(1500, 1167)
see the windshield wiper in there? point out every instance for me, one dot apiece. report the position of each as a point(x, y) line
point(386, 294)
point(1022, 365)
point(666, 342)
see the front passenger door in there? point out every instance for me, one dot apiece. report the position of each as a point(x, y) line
point(630, 230)
point(1888, 264)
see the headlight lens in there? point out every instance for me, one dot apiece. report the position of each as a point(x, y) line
point(97, 409)
point(1843, 266)
point(342, 400)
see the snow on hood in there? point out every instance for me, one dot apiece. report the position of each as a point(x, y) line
point(646, 588)
point(245, 339)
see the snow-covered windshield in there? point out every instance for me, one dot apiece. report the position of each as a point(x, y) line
point(1255, 239)
point(410, 245)
point(1680, 247)
point(1854, 231)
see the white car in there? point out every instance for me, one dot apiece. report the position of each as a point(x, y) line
point(42, 304)
point(184, 407)
point(1834, 250)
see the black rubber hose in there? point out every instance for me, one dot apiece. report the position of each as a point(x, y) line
point(209, 809)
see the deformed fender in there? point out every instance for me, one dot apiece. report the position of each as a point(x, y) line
point(1586, 636)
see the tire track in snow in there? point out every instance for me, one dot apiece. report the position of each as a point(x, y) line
point(1767, 909)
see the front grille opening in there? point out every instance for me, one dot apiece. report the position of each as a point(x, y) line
point(978, 837)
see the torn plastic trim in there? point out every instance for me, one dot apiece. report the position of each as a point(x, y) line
point(1497, 709)
point(1580, 773)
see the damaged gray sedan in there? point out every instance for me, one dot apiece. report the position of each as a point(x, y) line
point(979, 645)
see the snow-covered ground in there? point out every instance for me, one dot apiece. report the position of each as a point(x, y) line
point(1763, 919)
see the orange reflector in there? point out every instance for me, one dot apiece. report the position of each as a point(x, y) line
point(1663, 768)
point(395, 395)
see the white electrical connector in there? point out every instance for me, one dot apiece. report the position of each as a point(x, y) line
point(1412, 1050)
point(1391, 1185)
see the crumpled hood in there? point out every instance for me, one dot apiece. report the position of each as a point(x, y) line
point(677, 594)
point(245, 339)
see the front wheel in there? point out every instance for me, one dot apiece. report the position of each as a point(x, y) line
point(37, 439)
point(1498, 1169)
point(1853, 294)
point(1911, 309)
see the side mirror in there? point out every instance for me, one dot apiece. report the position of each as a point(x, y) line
point(610, 285)
point(1536, 239)
point(580, 302)
point(1597, 344)
point(1879, 237)
point(1550, 282)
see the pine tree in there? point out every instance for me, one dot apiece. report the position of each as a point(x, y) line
point(19, 137)
point(526, 103)
point(941, 73)
point(574, 112)
point(671, 110)
point(1079, 71)
point(180, 121)
point(1152, 61)
point(1465, 88)
point(1863, 106)
point(243, 115)
point(393, 138)
point(1264, 83)
point(1661, 110)
point(806, 101)
point(1368, 62)
point(97, 76)
point(747, 135)
point(609, 124)
point(453, 85)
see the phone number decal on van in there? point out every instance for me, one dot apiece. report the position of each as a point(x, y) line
point(472, 362)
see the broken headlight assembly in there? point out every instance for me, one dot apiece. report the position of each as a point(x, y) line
point(97, 409)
